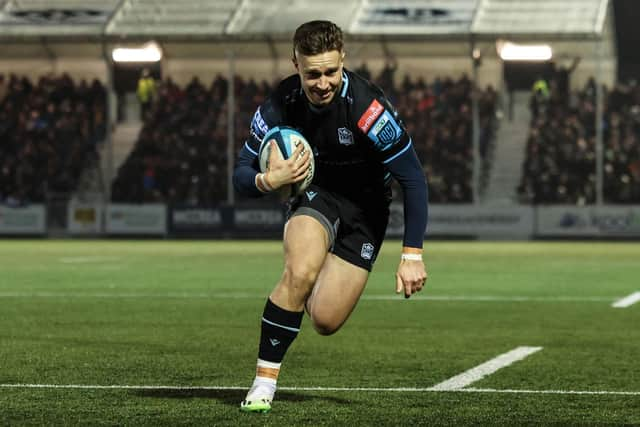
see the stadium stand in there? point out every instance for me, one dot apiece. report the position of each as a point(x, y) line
point(560, 158)
point(180, 156)
point(49, 130)
point(430, 36)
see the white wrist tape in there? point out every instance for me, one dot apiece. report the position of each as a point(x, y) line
point(411, 257)
point(263, 181)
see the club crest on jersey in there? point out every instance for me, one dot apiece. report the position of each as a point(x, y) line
point(385, 132)
point(370, 116)
point(367, 251)
point(345, 137)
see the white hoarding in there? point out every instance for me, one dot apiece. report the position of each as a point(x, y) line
point(604, 221)
point(136, 219)
point(23, 220)
point(471, 220)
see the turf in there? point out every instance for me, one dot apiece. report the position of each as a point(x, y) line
point(186, 314)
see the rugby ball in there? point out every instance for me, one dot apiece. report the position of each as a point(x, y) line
point(287, 139)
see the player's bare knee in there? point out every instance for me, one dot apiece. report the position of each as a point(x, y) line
point(324, 325)
point(300, 279)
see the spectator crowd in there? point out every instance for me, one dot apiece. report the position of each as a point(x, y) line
point(181, 156)
point(48, 135)
point(560, 163)
point(49, 130)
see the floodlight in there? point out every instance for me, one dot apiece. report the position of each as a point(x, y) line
point(524, 52)
point(149, 52)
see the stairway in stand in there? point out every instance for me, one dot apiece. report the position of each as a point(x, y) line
point(509, 153)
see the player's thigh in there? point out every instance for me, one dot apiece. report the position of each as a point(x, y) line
point(305, 241)
point(305, 250)
point(336, 293)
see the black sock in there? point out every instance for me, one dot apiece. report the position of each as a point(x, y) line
point(279, 328)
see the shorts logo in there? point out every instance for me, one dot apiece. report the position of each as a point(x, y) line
point(367, 251)
point(258, 125)
point(345, 137)
point(370, 116)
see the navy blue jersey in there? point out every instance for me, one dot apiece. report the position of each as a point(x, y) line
point(358, 140)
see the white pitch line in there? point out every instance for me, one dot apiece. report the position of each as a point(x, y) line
point(487, 368)
point(516, 391)
point(87, 259)
point(478, 298)
point(489, 298)
point(334, 389)
point(627, 301)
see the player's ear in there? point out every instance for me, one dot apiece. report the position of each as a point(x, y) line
point(294, 60)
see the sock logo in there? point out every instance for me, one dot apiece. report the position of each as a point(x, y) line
point(274, 342)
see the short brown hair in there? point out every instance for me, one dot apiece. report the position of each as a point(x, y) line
point(314, 37)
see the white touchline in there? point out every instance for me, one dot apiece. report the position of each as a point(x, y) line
point(487, 368)
point(335, 389)
point(236, 295)
point(87, 259)
point(627, 301)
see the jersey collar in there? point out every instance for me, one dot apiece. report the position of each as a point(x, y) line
point(345, 83)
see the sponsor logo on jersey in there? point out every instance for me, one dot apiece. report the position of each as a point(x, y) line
point(258, 125)
point(367, 251)
point(345, 137)
point(370, 116)
point(385, 132)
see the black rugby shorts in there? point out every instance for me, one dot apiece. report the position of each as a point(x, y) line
point(356, 228)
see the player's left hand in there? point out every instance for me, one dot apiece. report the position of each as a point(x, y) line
point(410, 277)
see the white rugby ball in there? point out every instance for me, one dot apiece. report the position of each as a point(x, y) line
point(287, 139)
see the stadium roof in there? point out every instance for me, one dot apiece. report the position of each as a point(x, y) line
point(552, 17)
point(229, 19)
point(29, 18)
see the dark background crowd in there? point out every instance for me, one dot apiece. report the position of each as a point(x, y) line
point(560, 164)
point(49, 130)
point(48, 135)
point(181, 155)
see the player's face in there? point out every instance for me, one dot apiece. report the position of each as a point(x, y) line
point(321, 75)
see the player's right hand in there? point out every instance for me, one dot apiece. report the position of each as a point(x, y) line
point(286, 171)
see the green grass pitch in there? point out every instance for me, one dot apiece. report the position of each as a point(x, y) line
point(185, 316)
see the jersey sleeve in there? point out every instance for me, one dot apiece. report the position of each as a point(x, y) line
point(384, 129)
point(392, 144)
point(247, 165)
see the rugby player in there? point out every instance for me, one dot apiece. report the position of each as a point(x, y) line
point(335, 228)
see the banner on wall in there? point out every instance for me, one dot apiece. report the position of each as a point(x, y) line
point(469, 220)
point(267, 219)
point(84, 218)
point(604, 221)
point(196, 220)
point(148, 219)
point(23, 220)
